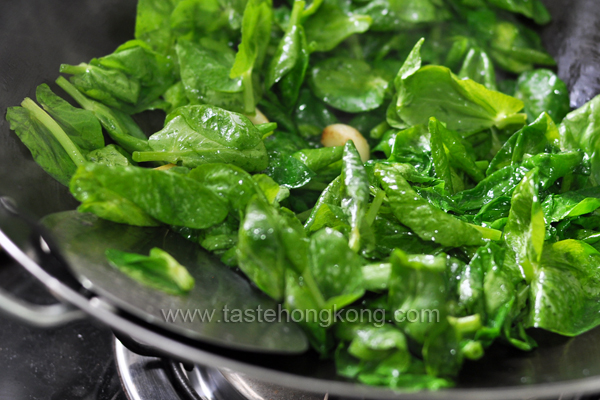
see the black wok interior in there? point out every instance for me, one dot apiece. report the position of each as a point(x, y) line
point(36, 36)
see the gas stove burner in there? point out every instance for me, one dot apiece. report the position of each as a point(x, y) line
point(150, 378)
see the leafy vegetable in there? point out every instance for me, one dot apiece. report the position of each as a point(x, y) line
point(159, 270)
point(348, 85)
point(256, 30)
point(80, 125)
point(262, 252)
point(524, 232)
point(195, 135)
point(579, 131)
point(564, 289)
point(464, 105)
point(139, 196)
point(330, 25)
point(427, 221)
point(205, 71)
point(474, 218)
point(542, 91)
point(119, 126)
point(288, 65)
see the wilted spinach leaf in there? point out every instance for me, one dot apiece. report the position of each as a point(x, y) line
point(564, 289)
point(204, 134)
point(330, 25)
point(205, 69)
point(140, 196)
point(347, 84)
point(542, 91)
point(158, 270)
point(81, 125)
point(427, 221)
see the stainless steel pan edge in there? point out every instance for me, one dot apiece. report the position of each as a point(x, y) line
point(38, 35)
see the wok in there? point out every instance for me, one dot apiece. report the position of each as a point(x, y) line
point(38, 35)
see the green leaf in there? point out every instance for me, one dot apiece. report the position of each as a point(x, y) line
point(466, 106)
point(111, 155)
point(478, 67)
point(442, 352)
point(271, 189)
point(119, 126)
point(203, 134)
point(158, 270)
point(564, 290)
point(503, 182)
point(140, 196)
point(284, 168)
point(256, 32)
point(330, 25)
point(234, 185)
point(525, 230)
point(176, 97)
point(111, 87)
point(317, 159)
point(538, 137)
point(154, 72)
point(542, 91)
point(392, 15)
point(195, 19)
point(533, 9)
point(580, 130)
point(420, 287)
point(302, 295)
point(152, 23)
point(81, 126)
point(330, 196)
point(411, 65)
point(347, 84)
point(289, 50)
point(516, 48)
point(449, 152)
point(46, 150)
point(335, 268)
point(205, 71)
point(354, 192)
point(311, 115)
point(557, 207)
point(160, 22)
point(267, 241)
point(428, 222)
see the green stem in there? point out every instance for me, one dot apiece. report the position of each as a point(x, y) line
point(297, 13)
point(58, 133)
point(376, 276)
point(310, 283)
point(516, 119)
point(374, 209)
point(266, 128)
point(74, 93)
point(488, 233)
point(314, 6)
point(379, 130)
point(468, 324)
point(248, 92)
point(73, 69)
point(144, 156)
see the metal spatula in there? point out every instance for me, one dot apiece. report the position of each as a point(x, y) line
point(223, 308)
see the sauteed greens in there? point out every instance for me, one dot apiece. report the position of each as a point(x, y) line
point(475, 216)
